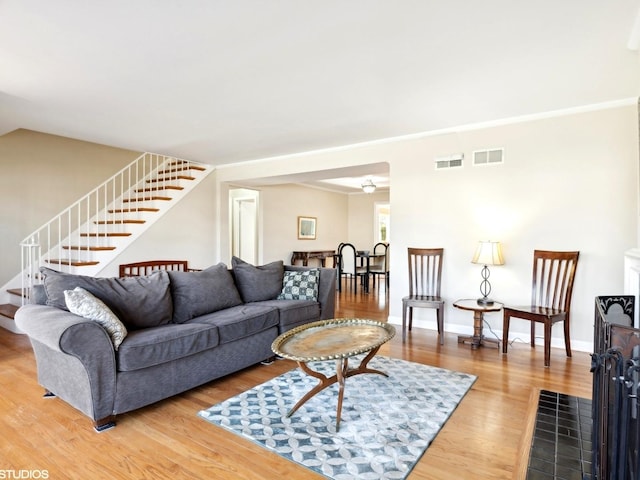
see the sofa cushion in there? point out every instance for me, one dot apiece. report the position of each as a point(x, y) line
point(162, 344)
point(241, 321)
point(138, 302)
point(294, 312)
point(300, 285)
point(198, 293)
point(258, 283)
point(82, 303)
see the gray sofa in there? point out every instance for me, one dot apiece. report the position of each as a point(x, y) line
point(183, 329)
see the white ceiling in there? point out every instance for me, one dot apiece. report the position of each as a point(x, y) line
point(230, 81)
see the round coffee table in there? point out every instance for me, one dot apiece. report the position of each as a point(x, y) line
point(336, 339)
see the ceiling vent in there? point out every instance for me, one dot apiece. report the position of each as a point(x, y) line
point(450, 161)
point(488, 157)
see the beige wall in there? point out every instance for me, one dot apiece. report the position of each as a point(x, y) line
point(568, 182)
point(362, 219)
point(281, 207)
point(40, 175)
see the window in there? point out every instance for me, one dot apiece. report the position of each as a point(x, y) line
point(382, 222)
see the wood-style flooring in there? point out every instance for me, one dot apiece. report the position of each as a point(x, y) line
point(487, 437)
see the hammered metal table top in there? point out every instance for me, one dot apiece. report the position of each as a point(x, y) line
point(332, 339)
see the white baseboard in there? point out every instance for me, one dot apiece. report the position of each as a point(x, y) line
point(577, 345)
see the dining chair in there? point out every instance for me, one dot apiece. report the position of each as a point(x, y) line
point(380, 265)
point(551, 289)
point(349, 268)
point(425, 273)
point(337, 265)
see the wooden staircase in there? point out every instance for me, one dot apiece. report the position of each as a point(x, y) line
point(91, 245)
point(8, 311)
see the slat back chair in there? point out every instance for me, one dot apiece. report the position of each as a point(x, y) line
point(425, 274)
point(551, 291)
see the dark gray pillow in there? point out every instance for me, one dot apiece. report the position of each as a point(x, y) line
point(198, 293)
point(258, 283)
point(138, 302)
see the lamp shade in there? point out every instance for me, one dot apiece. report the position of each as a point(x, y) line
point(488, 253)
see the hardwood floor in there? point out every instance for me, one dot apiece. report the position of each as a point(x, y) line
point(485, 438)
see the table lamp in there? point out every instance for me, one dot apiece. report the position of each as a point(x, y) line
point(487, 253)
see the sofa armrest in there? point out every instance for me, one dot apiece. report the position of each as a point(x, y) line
point(56, 335)
point(57, 329)
point(326, 289)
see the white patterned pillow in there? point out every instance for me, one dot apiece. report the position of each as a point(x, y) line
point(300, 285)
point(83, 303)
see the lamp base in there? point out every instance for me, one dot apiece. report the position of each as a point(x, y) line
point(485, 301)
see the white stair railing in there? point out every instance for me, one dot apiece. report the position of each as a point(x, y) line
point(95, 223)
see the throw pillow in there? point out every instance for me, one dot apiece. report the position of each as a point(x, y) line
point(82, 303)
point(139, 302)
point(300, 285)
point(258, 283)
point(198, 293)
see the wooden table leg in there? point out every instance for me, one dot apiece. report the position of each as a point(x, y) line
point(478, 339)
point(342, 373)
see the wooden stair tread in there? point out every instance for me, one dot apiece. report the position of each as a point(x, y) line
point(145, 199)
point(134, 210)
point(158, 189)
point(17, 291)
point(88, 248)
point(106, 234)
point(8, 310)
point(182, 169)
point(172, 177)
point(118, 222)
point(73, 263)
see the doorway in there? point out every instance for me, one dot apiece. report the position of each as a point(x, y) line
point(244, 224)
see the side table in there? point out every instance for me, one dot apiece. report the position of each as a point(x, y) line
point(478, 339)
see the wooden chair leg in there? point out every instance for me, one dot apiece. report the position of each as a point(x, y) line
point(567, 340)
point(533, 334)
point(440, 317)
point(404, 322)
point(410, 318)
point(505, 331)
point(547, 343)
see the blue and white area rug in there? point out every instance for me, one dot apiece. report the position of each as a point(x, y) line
point(387, 423)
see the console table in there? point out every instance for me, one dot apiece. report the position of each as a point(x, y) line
point(321, 255)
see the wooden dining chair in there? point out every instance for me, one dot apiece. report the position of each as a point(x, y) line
point(379, 267)
point(551, 289)
point(425, 273)
point(349, 269)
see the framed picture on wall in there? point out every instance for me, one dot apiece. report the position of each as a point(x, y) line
point(306, 228)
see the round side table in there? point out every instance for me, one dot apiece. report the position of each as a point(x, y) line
point(478, 339)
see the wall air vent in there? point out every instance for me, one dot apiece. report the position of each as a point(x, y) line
point(450, 161)
point(488, 157)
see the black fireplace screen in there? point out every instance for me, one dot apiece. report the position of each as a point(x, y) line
point(616, 370)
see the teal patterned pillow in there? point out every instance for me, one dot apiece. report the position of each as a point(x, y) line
point(300, 285)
